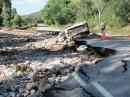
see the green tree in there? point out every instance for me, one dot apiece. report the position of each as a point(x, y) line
point(17, 21)
point(1, 17)
point(7, 13)
point(84, 9)
point(59, 12)
point(112, 12)
point(121, 10)
point(13, 13)
point(1, 6)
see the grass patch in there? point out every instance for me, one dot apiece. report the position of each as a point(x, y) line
point(124, 31)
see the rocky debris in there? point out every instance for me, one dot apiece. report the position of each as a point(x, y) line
point(56, 43)
point(48, 44)
point(34, 65)
point(8, 72)
point(24, 67)
point(77, 92)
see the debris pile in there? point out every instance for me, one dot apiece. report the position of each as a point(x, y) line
point(55, 43)
point(31, 66)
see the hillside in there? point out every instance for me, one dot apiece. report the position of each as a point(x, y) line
point(33, 15)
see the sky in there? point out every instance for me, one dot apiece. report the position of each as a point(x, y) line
point(25, 7)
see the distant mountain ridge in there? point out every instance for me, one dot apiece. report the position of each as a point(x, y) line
point(33, 15)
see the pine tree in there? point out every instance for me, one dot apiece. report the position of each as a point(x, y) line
point(1, 6)
point(13, 13)
point(7, 13)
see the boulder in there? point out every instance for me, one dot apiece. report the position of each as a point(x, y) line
point(19, 95)
point(32, 95)
point(44, 85)
point(19, 74)
point(82, 48)
point(56, 65)
point(31, 86)
point(33, 92)
point(12, 94)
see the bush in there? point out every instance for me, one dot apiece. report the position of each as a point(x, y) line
point(121, 10)
point(92, 22)
point(17, 22)
point(20, 67)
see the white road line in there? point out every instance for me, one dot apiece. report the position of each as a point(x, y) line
point(99, 87)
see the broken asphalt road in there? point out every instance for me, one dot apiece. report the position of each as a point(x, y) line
point(113, 79)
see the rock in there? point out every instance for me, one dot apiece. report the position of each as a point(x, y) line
point(30, 86)
point(39, 94)
point(26, 93)
point(32, 92)
point(51, 80)
point(82, 48)
point(56, 64)
point(19, 74)
point(64, 78)
point(58, 79)
point(13, 89)
point(19, 95)
point(88, 62)
point(27, 62)
point(61, 37)
point(70, 44)
point(35, 77)
point(5, 94)
point(20, 91)
point(46, 87)
point(32, 95)
point(12, 94)
point(96, 60)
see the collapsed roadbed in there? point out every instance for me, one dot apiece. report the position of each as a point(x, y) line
point(107, 78)
point(114, 71)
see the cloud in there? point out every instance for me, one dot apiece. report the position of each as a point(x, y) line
point(22, 2)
